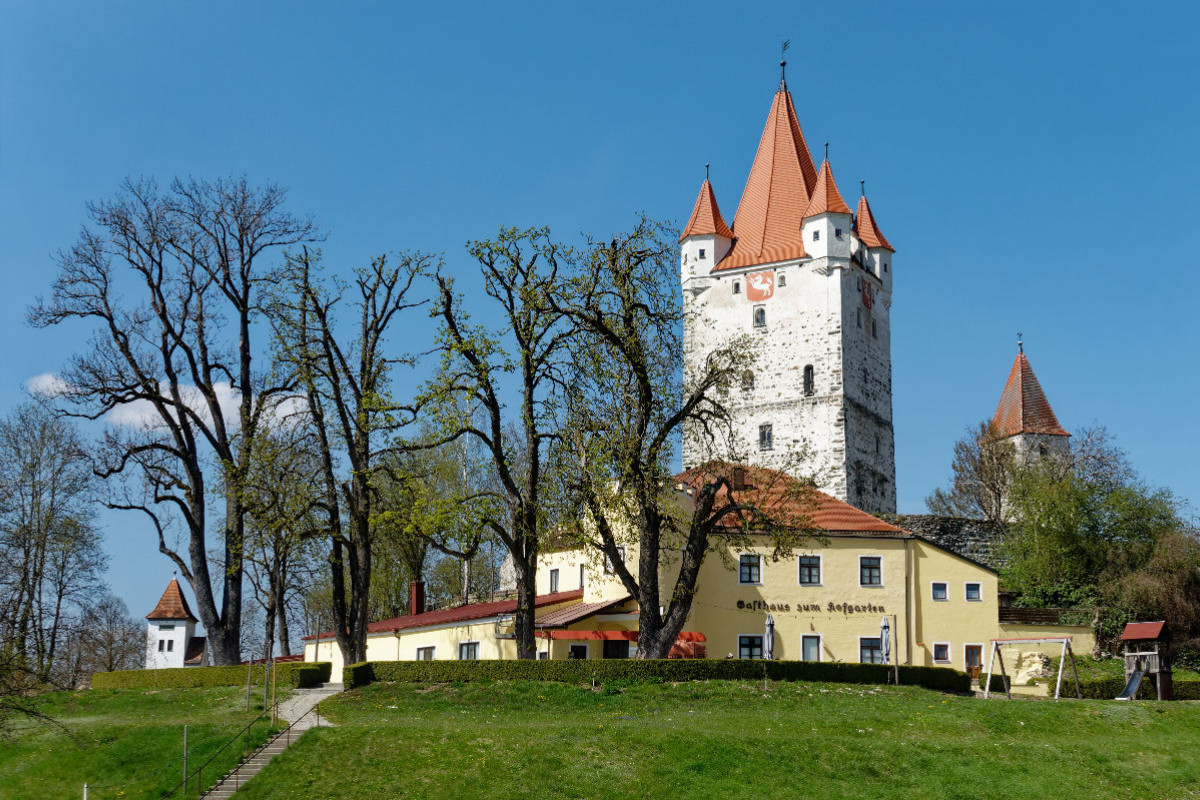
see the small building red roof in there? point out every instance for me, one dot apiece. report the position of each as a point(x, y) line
point(561, 617)
point(1023, 405)
point(786, 500)
point(706, 217)
point(867, 229)
point(1142, 631)
point(172, 605)
point(461, 613)
point(782, 179)
point(826, 199)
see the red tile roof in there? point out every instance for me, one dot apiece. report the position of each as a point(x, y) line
point(561, 617)
point(706, 217)
point(867, 229)
point(782, 180)
point(172, 605)
point(461, 613)
point(786, 500)
point(1023, 405)
point(1141, 631)
point(826, 198)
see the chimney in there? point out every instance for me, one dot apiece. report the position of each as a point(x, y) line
point(739, 478)
point(416, 597)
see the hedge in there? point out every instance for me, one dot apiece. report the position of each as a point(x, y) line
point(296, 674)
point(634, 670)
point(1108, 688)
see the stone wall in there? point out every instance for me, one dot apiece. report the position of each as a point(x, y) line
point(975, 539)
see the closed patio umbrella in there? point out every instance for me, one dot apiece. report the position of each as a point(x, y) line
point(885, 640)
point(769, 639)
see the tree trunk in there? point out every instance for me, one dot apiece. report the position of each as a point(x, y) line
point(523, 626)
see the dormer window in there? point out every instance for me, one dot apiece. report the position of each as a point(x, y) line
point(760, 317)
point(816, 234)
point(701, 253)
point(737, 287)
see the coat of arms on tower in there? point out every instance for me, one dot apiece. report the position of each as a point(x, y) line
point(868, 298)
point(760, 285)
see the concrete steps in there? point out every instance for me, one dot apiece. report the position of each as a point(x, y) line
point(297, 709)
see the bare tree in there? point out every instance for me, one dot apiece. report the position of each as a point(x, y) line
point(983, 472)
point(173, 284)
point(631, 395)
point(346, 383)
point(48, 539)
point(480, 369)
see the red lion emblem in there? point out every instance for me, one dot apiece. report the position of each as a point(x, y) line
point(867, 298)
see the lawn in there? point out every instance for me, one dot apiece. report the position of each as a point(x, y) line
point(728, 739)
point(123, 743)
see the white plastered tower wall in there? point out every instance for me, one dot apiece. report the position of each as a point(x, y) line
point(173, 636)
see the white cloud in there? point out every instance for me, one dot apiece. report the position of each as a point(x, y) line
point(47, 385)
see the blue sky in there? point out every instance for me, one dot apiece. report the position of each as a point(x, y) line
point(1033, 163)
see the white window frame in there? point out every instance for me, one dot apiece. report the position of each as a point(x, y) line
point(431, 647)
point(874, 636)
point(762, 647)
point(554, 580)
point(934, 597)
point(587, 650)
point(759, 582)
point(820, 569)
point(933, 646)
point(468, 642)
point(820, 645)
point(968, 597)
point(881, 583)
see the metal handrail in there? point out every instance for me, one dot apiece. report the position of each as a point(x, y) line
point(197, 772)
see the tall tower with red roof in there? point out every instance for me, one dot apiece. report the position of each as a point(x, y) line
point(808, 284)
point(1024, 417)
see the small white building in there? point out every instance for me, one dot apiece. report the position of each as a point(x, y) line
point(171, 641)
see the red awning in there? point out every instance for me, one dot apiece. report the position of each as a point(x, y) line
point(615, 636)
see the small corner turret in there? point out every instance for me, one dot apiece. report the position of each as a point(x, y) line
point(827, 218)
point(875, 252)
point(706, 238)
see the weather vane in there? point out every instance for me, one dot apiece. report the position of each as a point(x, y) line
point(1020, 344)
point(783, 63)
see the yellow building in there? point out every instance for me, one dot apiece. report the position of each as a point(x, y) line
point(827, 600)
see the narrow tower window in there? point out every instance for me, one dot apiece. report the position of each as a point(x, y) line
point(783, 280)
point(809, 387)
point(837, 232)
point(816, 234)
point(885, 266)
point(701, 253)
point(747, 381)
point(737, 287)
point(765, 438)
point(760, 317)
point(858, 316)
point(874, 331)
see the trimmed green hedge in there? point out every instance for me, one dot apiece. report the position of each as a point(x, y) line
point(1108, 688)
point(296, 674)
point(677, 670)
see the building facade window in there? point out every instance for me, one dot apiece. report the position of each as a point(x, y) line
point(582, 575)
point(810, 382)
point(747, 381)
point(701, 253)
point(766, 438)
point(425, 653)
point(974, 592)
point(885, 266)
point(816, 234)
point(578, 651)
point(783, 280)
point(810, 570)
point(737, 287)
point(750, 647)
point(608, 567)
point(941, 651)
point(162, 645)
point(553, 581)
point(468, 651)
point(750, 569)
point(858, 316)
point(760, 317)
point(837, 233)
point(870, 571)
point(870, 650)
point(941, 590)
point(810, 648)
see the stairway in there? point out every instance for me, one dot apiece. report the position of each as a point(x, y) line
point(299, 708)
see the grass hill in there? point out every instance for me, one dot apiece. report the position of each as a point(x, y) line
point(732, 739)
point(124, 743)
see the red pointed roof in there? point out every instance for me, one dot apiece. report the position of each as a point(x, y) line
point(172, 605)
point(826, 199)
point(868, 231)
point(782, 180)
point(1023, 406)
point(706, 217)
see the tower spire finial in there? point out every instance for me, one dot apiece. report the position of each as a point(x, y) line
point(783, 64)
point(705, 170)
point(862, 185)
point(1020, 344)
point(827, 151)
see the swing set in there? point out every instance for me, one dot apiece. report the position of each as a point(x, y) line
point(1064, 641)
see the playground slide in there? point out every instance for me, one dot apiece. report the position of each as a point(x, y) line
point(1131, 688)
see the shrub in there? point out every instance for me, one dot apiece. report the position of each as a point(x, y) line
point(638, 670)
point(1108, 688)
point(296, 674)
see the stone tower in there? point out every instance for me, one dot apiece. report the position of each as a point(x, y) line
point(809, 284)
point(170, 638)
point(1024, 418)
